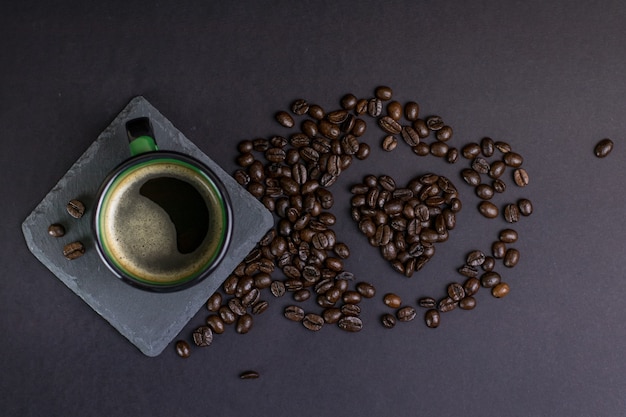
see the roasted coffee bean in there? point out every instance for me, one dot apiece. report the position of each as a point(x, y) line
point(499, 186)
point(383, 93)
point(484, 191)
point(227, 315)
point(447, 304)
point(455, 205)
point(348, 101)
point(261, 144)
point(488, 209)
point(432, 318)
point(389, 143)
point(183, 349)
point(410, 136)
point(387, 182)
point(375, 107)
point(299, 140)
point(216, 324)
point(230, 284)
point(490, 279)
point(468, 271)
point(411, 111)
point(76, 208)
point(427, 302)
point(388, 125)
point(388, 321)
point(56, 230)
point(337, 116)
point(511, 257)
point(249, 375)
point(503, 147)
point(394, 110)
point(392, 300)
point(244, 324)
point(525, 207)
point(480, 165)
point(351, 297)
point(471, 150)
point(475, 258)
point(350, 310)
point(245, 146)
point(259, 307)
point(501, 290)
point(203, 336)
point(511, 213)
point(439, 148)
point(332, 315)
point(313, 321)
point(242, 177)
point(471, 177)
point(444, 134)
point(421, 128)
point(406, 313)
point(471, 286)
point(363, 152)
point(366, 289)
point(452, 156)
point(316, 112)
point(496, 169)
point(361, 106)
point(434, 123)
point(508, 236)
point(299, 107)
point(603, 148)
point(467, 303)
point(73, 250)
point(236, 306)
point(520, 177)
point(456, 291)
point(513, 159)
point(498, 249)
point(350, 324)
point(490, 263)
point(487, 147)
point(214, 302)
point(294, 313)
point(245, 159)
point(277, 288)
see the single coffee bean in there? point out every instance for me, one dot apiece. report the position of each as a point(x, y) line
point(394, 110)
point(392, 300)
point(471, 150)
point(475, 258)
point(245, 146)
point(250, 298)
point(388, 321)
point(383, 93)
point(447, 304)
point(496, 169)
point(350, 310)
point(411, 111)
point(73, 250)
point(484, 191)
point(313, 322)
point(511, 257)
point(56, 230)
point(405, 314)
point(520, 177)
point(487, 147)
point(525, 207)
point(603, 148)
point(277, 288)
point(361, 106)
point(490, 279)
point(389, 125)
point(439, 148)
point(260, 144)
point(422, 149)
point(508, 236)
point(363, 152)
point(76, 208)
point(498, 249)
point(294, 313)
point(468, 303)
point(299, 107)
point(501, 290)
point(499, 186)
point(471, 286)
point(488, 209)
point(503, 147)
point(480, 165)
point(434, 123)
point(183, 349)
point(489, 264)
point(513, 159)
point(410, 136)
point(456, 291)
point(284, 119)
point(216, 324)
point(214, 302)
point(259, 307)
point(350, 324)
point(468, 271)
point(471, 177)
point(244, 324)
point(427, 302)
point(375, 107)
point(316, 112)
point(366, 289)
point(203, 336)
point(348, 101)
point(452, 156)
point(421, 128)
point(227, 315)
point(236, 307)
point(444, 134)
point(249, 375)
point(511, 213)
point(432, 318)
point(389, 143)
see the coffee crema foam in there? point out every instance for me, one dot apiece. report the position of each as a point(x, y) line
point(140, 235)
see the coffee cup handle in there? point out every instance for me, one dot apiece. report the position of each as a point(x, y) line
point(140, 136)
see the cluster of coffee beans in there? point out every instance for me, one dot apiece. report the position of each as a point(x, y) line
point(405, 222)
point(290, 174)
point(73, 250)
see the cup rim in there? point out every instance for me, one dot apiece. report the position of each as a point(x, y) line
point(219, 188)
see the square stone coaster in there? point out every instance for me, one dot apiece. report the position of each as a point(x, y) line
point(149, 320)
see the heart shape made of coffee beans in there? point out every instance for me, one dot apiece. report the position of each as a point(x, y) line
point(405, 222)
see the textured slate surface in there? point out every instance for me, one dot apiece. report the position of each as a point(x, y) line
point(150, 321)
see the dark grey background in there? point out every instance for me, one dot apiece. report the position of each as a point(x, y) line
point(547, 77)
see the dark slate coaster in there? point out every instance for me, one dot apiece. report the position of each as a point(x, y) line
point(149, 320)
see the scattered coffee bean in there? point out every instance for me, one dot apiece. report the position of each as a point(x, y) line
point(203, 336)
point(427, 302)
point(511, 213)
point(249, 375)
point(216, 324)
point(183, 349)
point(520, 177)
point(244, 324)
point(56, 230)
point(411, 111)
point(388, 320)
point(313, 322)
point(467, 303)
point(76, 208)
point(350, 324)
point(73, 250)
point(392, 300)
point(277, 288)
point(603, 148)
point(432, 318)
point(488, 209)
point(406, 313)
point(214, 302)
point(490, 279)
point(511, 257)
point(508, 236)
point(456, 291)
point(383, 93)
point(284, 119)
point(500, 290)
point(525, 207)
